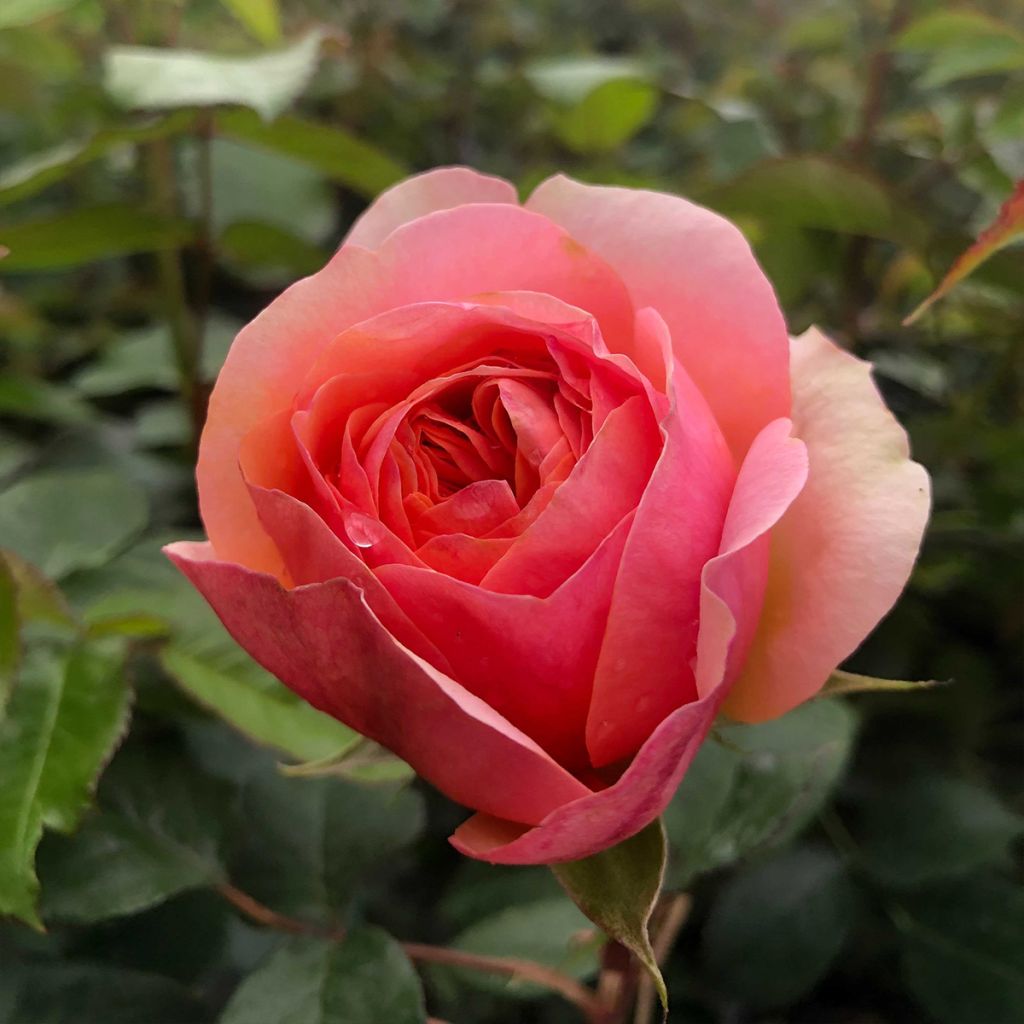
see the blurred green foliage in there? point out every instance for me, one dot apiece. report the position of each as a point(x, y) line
point(165, 168)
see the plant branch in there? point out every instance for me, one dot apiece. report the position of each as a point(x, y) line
point(510, 967)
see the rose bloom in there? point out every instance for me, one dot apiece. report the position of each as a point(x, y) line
point(530, 493)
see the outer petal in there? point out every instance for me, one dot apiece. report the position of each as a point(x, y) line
point(323, 641)
point(734, 581)
point(844, 550)
point(439, 189)
point(697, 270)
point(645, 667)
point(602, 819)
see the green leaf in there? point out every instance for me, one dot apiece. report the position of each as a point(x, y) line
point(261, 17)
point(157, 832)
point(841, 683)
point(963, 950)
point(10, 633)
point(365, 761)
point(136, 359)
point(38, 599)
point(930, 827)
point(309, 844)
point(67, 992)
point(775, 929)
point(34, 399)
point(552, 932)
point(607, 117)
point(817, 192)
point(617, 890)
point(570, 79)
point(365, 979)
point(962, 44)
point(34, 173)
point(267, 253)
point(62, 723)
point(39, 523)
point(23, 12)
point(328, 148)
point(756, 788)
point(149, 78)
point(269, 714)
point(90, 233)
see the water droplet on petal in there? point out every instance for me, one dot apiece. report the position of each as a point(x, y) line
point(363, 531)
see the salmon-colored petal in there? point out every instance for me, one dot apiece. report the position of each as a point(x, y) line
point(596, 822)
point(529, 658)
point(646, 665)
point(463, 557)
point(439, 189)
point(606, 484)
point(476, 509)
point(697, 270)
point(733, 582)
point(324, 642)
point(843, 552)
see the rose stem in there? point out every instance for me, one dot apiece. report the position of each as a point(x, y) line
point(511, 967)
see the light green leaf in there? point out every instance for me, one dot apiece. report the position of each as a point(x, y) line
point(90, 233)
point(817, 192)
point(963, 950)
point(35, 173)
point(269, 714)
point(617, 890)
point(268, 254)
point(930, 827)
point(15, 13)
point(550, 931)
point(607, 117)
point(39, 523)
point(962, 44)
point(157, 833)
point(775, 929)
point(757, 787)
point(149, 78)
point(62, 723)
point(308, 845)
point(365, 979)
point(328, 148)
point(570, 79)
point(261, 17)
point(137, 359)
point(38, 599)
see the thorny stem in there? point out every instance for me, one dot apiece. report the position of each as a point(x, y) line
point(510, 967)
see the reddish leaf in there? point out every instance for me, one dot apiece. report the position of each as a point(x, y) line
point(1008, 225)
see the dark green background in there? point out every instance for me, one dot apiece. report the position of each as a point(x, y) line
point(855, 862)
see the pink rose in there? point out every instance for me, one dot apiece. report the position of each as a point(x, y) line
point(527, 493)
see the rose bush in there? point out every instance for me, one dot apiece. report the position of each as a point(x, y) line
point(528, 493)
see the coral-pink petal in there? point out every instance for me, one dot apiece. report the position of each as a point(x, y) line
point(476, 509)
point(595, 822)
point(585, 508)
point(438, 189)
point(843, 551)
point(324, 642)
point(733, 582)
point(531, 659)
point(463, 557)
point(697, 271)
point(645, 670)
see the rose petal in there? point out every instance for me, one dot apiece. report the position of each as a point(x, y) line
point(323, 641)
point(595, 822)
point(439, 189)
point(645, 670)
point(733, 582)
point(697, 270)
point(843, 552)
point(531, 659)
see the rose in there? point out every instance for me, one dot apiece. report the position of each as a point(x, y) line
point(528, 493)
